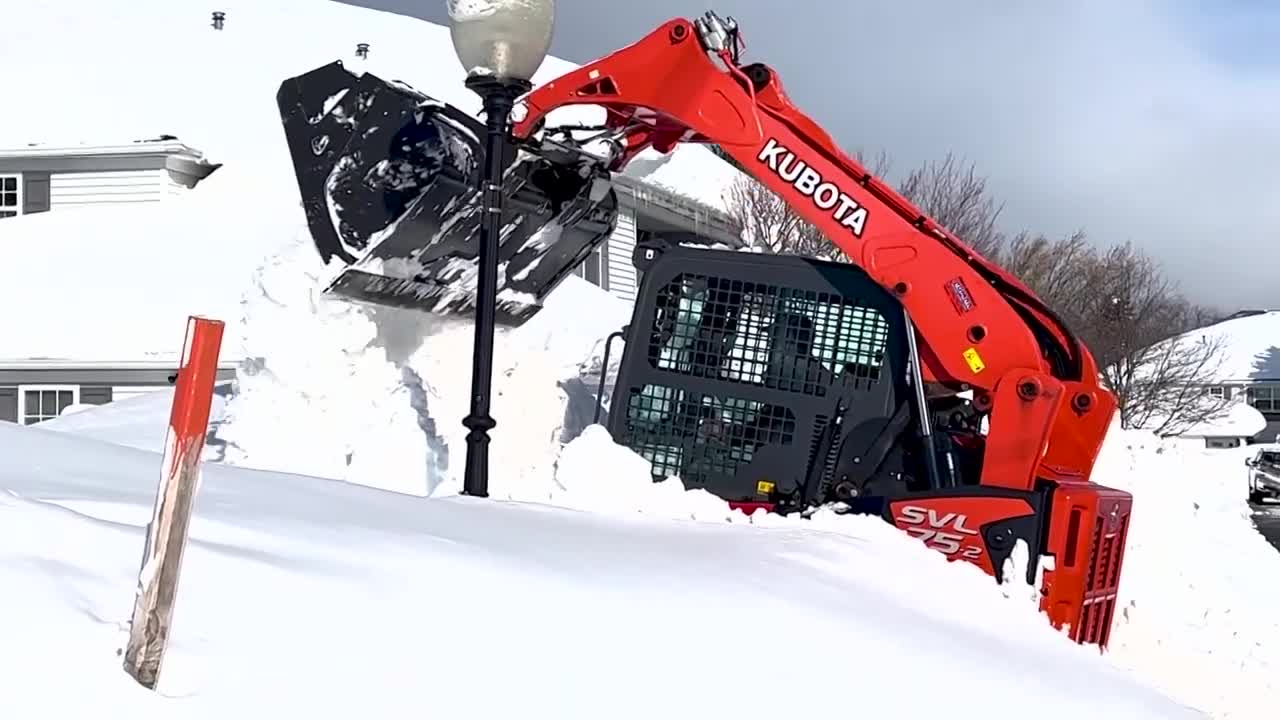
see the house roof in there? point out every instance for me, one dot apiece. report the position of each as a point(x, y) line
point(688, 213)
point(163, 145)
point(691, 172)
point(1238, 420)
point(185, 162)
point(1250, 346)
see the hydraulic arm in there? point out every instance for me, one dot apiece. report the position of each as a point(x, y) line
point(980, 328)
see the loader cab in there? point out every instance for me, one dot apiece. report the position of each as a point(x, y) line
point(770, 379)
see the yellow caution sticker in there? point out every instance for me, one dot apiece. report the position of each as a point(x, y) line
point(764, 487)
point(972, 357)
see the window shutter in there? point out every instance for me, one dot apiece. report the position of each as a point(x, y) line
point(35, 192)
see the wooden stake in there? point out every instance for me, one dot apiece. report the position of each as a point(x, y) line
point(167, 532)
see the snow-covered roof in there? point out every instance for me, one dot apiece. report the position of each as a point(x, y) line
point(1250, 346)
point(158, 146)
point(159, 68)
point(692, 172)
point(1237, 420)
point(124, 278)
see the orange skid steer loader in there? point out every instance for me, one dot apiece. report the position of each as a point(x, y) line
point(919, 382)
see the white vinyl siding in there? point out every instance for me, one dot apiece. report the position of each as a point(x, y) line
point(87, 189)
point(124, 392)
point(622, 274)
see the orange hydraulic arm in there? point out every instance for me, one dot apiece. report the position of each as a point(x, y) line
point(980, 328)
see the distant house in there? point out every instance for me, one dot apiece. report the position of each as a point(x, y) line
point(1248, 367)
point(646, 210)
point(36, 390)
point(40, 178)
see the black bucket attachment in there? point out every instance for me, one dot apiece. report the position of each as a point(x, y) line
point(390, 183)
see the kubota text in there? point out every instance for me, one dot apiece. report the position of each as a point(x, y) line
point(826, 195)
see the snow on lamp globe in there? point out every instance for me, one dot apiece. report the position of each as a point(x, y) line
point(501, 44)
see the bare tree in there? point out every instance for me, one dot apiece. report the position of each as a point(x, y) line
point(1058, 271)
point(1133, 320)
point(953, 195)
point(956, 196)
point(1138, 327)
point(1117, 300)
point(770, 222)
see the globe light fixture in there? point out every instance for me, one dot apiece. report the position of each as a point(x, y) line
point(501, 44)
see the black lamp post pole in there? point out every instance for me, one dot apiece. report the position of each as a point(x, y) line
point(498, 96)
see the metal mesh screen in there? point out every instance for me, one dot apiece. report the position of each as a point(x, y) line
point(778, 337)
point(693, 435)
point(756, 335)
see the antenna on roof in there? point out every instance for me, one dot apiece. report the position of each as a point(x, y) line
point(362, 50)
point(219, 18)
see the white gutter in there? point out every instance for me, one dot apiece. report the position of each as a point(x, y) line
point(155, 147)
point(59, 364)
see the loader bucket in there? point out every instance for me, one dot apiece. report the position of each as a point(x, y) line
point(389, 181)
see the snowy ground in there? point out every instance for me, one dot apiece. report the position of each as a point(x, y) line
point(1200, 584)
point(323, 599)
point(317, 598)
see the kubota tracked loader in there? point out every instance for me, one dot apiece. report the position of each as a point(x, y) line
point(776, 382)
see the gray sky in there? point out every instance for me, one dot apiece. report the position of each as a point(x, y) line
point(1146, 120)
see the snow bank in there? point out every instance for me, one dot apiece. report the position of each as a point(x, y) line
point(137, 422)
point(328, 600)
point(376, 396)
point(1197, 610)
point(137, 271)
point(694, 172)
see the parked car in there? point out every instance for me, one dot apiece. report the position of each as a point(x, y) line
point(1264, 475)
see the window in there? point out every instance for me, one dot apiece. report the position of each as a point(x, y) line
point(10, 195)
point(1266, 398)
point(595, 269)
point(37, 403)
point(1217, 391)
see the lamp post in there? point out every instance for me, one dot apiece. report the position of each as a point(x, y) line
point(501, 44)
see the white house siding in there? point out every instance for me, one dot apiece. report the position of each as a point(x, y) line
point(86, 189)
point(122, 392)
point(622, 274)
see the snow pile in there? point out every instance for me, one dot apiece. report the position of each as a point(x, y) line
point(334, 601)
point(138, 271)
point(596, 474)
point(376, 396)
point(1197, 609)
point(694, 172)
point(137, 422)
